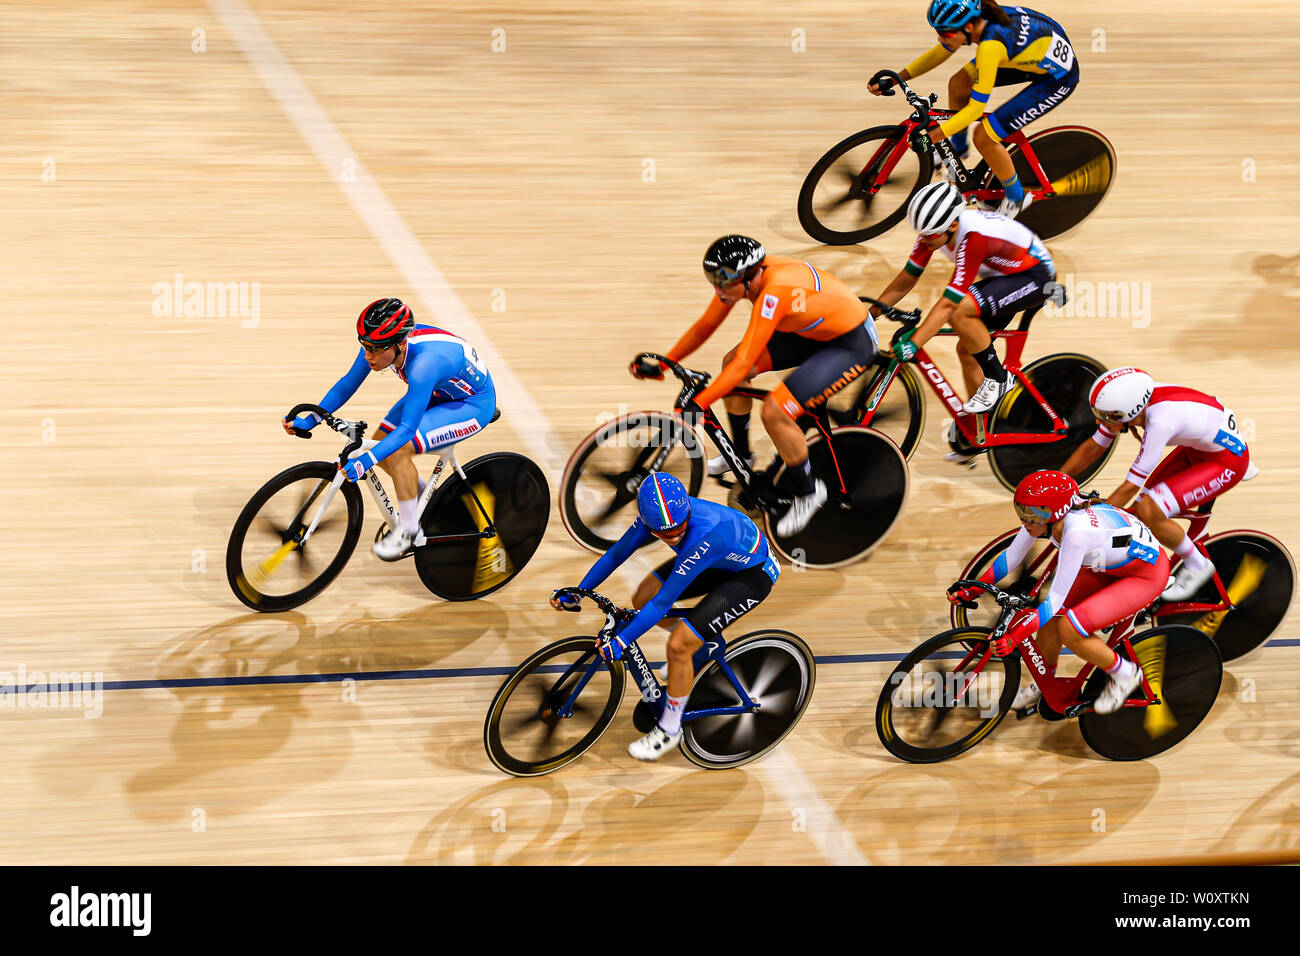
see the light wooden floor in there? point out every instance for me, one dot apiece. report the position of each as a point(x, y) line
point(132, 441)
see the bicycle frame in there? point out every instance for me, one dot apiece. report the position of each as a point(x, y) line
point(974, 425)
point(652, 692)
point(890, 152)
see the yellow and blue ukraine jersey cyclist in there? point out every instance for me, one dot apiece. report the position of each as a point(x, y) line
point(1012, 45)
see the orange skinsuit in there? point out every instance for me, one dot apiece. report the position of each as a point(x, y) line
point(792, 296)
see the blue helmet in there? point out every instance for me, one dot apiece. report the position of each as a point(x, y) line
point(663, 502)
point(948, 15)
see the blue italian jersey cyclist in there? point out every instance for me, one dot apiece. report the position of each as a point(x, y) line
point(449, 396)
point(1013, 45)
point(721, 555)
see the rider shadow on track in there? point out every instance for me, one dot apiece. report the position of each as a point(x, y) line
point(527, 814)
point(242, 731)
point(1268, 314)
point(1276, 814)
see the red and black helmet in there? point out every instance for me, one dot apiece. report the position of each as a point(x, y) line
point(1045, 496)
point(384, 323)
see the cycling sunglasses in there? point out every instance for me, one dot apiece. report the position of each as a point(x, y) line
point(1032, 514)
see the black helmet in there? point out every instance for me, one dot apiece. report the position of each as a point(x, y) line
point(733, 258)
point(384, 323)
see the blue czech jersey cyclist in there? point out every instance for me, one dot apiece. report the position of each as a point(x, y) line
point(721, 554)
point(449, 396)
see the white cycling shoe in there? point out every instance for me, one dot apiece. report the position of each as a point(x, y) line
point(1118, 688)
point(988, 395)
point(718, 465)
point(1013, 209)
point(395, 545)
point(1027, 696)
point(1187, 581)
point(802, 511)
point(654, 744)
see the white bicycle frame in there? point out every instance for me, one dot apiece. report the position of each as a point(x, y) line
point(380, 494)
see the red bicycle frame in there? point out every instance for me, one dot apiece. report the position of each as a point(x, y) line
point(890, 152)
point(974, 425)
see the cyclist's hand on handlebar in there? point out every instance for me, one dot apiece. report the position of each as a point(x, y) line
point(565, 602)
point(647, 368)
point(610, 646)
point(880, 85)
point(303, 423)
point(1024, 623)
point(354, 469)
point(902, 346)
point(963, 596)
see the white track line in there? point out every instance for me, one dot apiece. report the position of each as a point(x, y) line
point(386, 224)
point(440, 300)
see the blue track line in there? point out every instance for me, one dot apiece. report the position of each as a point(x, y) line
point(420, 674)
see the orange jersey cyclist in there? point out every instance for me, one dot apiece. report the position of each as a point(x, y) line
point(802, 318)
point(1000, 268)
point(1013, 45)
point(1209, 457)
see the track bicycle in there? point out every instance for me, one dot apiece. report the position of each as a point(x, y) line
point(865, 474)
point(861, 187)
point(1239, 615)
point(952, 691)
point(478, 528)
point(1038, 424)
point(747, 696)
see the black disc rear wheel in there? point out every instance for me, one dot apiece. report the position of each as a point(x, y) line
point(856, 520)
point(1064, 381)
point(777, 670)
point(514, 493)
point(1184, 670)
point(1259, 574)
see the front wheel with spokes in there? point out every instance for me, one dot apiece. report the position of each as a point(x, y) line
point(268, 566)
point(946, 696)
point(553, 708)
point(598, 490)
point(838, 203)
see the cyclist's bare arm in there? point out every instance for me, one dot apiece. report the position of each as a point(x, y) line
point(1082, 457)
point(898, 287)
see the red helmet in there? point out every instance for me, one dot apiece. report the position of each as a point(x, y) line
point(1045, 496)
point(384, 323)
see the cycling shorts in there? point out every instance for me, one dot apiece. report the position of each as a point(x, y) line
point(1043, 94)
point(1002, 297)
point(1188, 477)
point(728, 595)
point(447, 422)
point(1097, 600)
point(820, 368)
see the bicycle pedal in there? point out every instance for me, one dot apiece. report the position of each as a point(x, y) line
point(1024, 712)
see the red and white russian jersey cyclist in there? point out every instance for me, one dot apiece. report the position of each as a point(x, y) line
point(1209, 457)
point(1109, 567)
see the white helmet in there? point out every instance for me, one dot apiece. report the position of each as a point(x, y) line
point(935, 208)
point(1121, 394)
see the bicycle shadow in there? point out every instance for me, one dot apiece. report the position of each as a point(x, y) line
point(1276, 814)
point(1267, 314)
point(518, 821)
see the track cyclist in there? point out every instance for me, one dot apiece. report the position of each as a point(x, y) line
point(803, 318)
point(449, 396)
point(1001, 268)
point(1110, 567)
point(721, 554)
point(1012, 45)
point(1210, 457)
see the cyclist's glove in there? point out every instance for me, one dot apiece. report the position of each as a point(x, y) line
point(355, 468)
point(610, 646)
point(647, 368)
point(304, 422)
point(565, 602)
point(958, 595)
point(1024, 623)
point(903, 347)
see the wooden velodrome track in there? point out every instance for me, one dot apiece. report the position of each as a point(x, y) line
point(574, 177)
